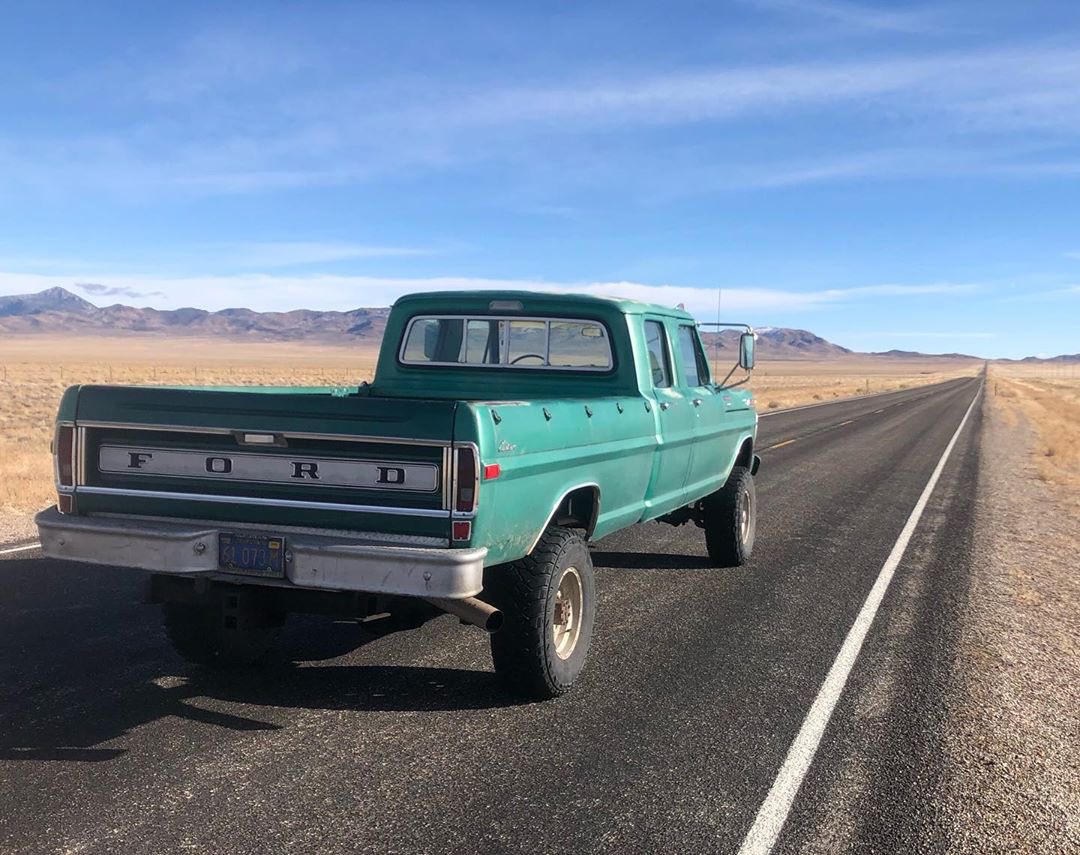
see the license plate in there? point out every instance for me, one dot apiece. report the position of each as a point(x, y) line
point(252, 554)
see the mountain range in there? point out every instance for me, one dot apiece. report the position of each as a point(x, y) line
point(59, 311)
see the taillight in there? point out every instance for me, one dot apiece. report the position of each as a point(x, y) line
point(466, 483)
point(64, 451)
point(65, 456)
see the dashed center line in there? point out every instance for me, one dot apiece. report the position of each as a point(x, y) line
point(796, 439)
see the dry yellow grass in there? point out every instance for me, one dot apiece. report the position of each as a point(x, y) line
point(35, 370)
point(1048, 398)
point(791, 383)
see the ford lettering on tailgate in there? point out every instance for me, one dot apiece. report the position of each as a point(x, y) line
point(268, 468)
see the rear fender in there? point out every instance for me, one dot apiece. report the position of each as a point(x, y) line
point(577, 507)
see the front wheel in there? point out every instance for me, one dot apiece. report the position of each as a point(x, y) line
point(731, 520)
point(548, 600)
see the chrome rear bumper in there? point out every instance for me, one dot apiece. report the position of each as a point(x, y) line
point(321, 562)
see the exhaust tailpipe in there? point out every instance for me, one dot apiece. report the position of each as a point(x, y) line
point(472, 611)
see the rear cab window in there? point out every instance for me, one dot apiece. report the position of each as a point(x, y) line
point(494, 342)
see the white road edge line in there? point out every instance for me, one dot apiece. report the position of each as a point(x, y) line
point(26, 548)
point(774, 810)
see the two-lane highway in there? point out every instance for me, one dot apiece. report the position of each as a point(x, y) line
point(699, 683)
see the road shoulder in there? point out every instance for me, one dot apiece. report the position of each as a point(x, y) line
point(1012, 726)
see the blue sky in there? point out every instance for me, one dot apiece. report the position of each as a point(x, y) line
point(884, 174)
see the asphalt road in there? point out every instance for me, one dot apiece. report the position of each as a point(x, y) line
point(698, 681)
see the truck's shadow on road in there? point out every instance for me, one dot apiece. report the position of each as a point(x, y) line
point(75, 732)
point(77, 680)
point(649, 561)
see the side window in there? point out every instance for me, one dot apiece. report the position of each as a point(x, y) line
point(695, 368)
point(656, 341)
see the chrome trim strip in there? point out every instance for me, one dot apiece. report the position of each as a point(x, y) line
point(447, 478)
point(359, 536)
point(434, 513)
point(171, 428)
point(386, 440)
point(80, 456)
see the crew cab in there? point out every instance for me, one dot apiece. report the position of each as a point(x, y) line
point(501, 433)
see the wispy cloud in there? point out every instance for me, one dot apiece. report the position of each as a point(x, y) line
point(323, 291)
point(220, 60)
point(859, 16)
point(1009, 87)
point(1031, 295)
point(98, 290)
point(309, 136)
point(274, 254)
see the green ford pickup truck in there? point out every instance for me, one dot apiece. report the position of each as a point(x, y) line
point(501, 433)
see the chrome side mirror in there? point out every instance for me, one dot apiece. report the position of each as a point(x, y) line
point(746, 351)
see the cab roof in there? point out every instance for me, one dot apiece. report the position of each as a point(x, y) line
point(533, 303)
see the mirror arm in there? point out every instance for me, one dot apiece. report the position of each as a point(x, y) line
point(723, 384)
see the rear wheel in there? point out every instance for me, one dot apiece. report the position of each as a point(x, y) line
point(731, 520)
point(222, 629)
point(548, 600)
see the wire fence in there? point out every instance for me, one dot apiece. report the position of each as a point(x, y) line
point(1041, 370)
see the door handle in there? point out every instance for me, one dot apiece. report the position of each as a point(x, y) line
point(697, 402)
point(664, 405)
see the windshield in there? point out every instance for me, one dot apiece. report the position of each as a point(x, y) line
point(538, 343)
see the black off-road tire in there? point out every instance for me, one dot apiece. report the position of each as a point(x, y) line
point(731, 520)
point(526, 650)
point(222, 630)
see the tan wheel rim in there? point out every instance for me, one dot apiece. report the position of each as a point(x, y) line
point(744, 517)
point(566, 621)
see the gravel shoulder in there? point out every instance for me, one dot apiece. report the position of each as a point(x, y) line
point(1012, 732)
point(16, 527)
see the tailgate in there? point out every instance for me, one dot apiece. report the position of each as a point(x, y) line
point(286, 457)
